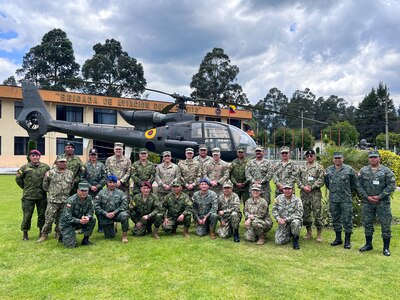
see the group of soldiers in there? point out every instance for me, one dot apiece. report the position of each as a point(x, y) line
point(204, 189)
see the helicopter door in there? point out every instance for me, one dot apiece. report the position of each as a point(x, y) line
point(217, 135)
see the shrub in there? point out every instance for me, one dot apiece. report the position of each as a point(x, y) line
point(392, 161)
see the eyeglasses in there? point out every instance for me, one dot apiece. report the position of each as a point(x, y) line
point(337, 158)
point(227, 187)
point(167, 155)
point(284, 153)
point(310, 155)
point(258, 151)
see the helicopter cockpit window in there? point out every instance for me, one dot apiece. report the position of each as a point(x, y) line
point(217, 135)
point(242, 139)
point(196, 130)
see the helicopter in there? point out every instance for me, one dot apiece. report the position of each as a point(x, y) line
point(155, 131)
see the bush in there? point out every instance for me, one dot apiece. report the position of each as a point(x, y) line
point(392, 161)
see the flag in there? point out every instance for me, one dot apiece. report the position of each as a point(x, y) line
point(232, 109)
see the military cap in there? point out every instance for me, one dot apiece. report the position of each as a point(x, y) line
point(143, 150)
point(204, 180)
point(189, 150)
point(228, 184)
point(308, 152)
point(61, 158)
point(240, 149)
point(216, 150)
point(83, 186)
point(256, 187)
point(35, 152)
point(285, 149)
point(69, 144)
point(287, 185)
point(202, 147)
point(338, 154)
point(166, 153)
point(112, 178)
point(118, 145)
point(146, 183)
point(373, 153)
point(93, 151)
point(259, 148)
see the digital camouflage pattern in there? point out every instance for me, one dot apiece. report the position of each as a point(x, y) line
point(120, 167)
point(205, 205)
point(75, 164)
point(379, 182)
point(165, 175)
point(141, 206)
point(262, 222)
point(260, 172)
point(238, 175)
point(202, 161)
point(95, 175)
point(292, 211)
point(190, 174)
point(142, 172)
point(73, 211)
point(284, 173)
point(173, 207)
point(218, 171)
point(232, 215)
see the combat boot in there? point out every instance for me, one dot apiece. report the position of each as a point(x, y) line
point(60, 238)
point(261, 240)
point(338, 239)
point(319, 235)
point(155, 234)
point(296, 245)
point(124, 236)
point(40, 232)
point(56, 235)
point(25, 236)
point(309, 233)
point(236, 237)
point(43, 237)
point(386, 244)
point(212, 234)
point(86, 242)
point(368, 244)
point(347, 244)
point(186, 232)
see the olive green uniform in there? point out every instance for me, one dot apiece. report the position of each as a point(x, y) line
point(141, 206)
point(173, 207)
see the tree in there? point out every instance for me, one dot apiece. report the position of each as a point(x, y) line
point(341, 133)
point(113, 71)
point(331, 110)
point(51, 65)
point(216, 78)
point(301, 102)
point(10, 81)
point(284, 137)
point(394, 140)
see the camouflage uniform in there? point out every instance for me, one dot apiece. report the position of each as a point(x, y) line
point(139, 207)
point(284, 173)
point(142, 172)
point(261, 172)
point(115, 201)
point(205, 205)
point(232, 215)
point(73, 211)
point(292, 211)
point(75, 164)
point(202, 162)
point(95, 175)
point(340, 184)
point(165, 175)
point(173, 207)
point(218, 171)
point(58, 185)
point(190, 174)
point(382, 183)
point(30, 178)
point(120, 167)
point(311, 175)
point(262, 222)
point(238, 175)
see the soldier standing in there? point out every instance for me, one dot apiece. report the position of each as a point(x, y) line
point(177, 210)
point(190, 172)
point(120, 166)
point(260, 171)
point(30, 178)
point(111, 205)
point(166, 172)
point(340, 179)
point(58, 182)
point(285, 171)
point(258, 221)
point(145, 210)
point(238, 175)
point(216, 171)
point(78, 214)
point(288, 212)
point(229, 213)
point(310, 180)
point(142, 170)
point(202, 158)
point(375, 185)
point(205, 205)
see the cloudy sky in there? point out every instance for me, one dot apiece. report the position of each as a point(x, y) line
point(332, 47)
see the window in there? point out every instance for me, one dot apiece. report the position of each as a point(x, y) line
point(21, 145)
point(235, 122)
point(0, 108)
point(217, 135)
point(196, 130)
point(104, 116)
point(18, 106)
point(78, 142)
point(213, 119)
point(69, 113)
point(104, 149)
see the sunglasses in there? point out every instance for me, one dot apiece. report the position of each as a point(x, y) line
point(310, 155)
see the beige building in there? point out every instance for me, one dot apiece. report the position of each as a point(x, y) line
point(76, 107)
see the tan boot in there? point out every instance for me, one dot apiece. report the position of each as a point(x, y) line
point(319, 235)
point(155, 234)
point(309, 234)
point(124, 237)
point(261, 240)
point(43, 237)
point(186, 232)
point(212, 234)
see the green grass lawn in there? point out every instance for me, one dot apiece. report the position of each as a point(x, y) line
point(194, 268)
